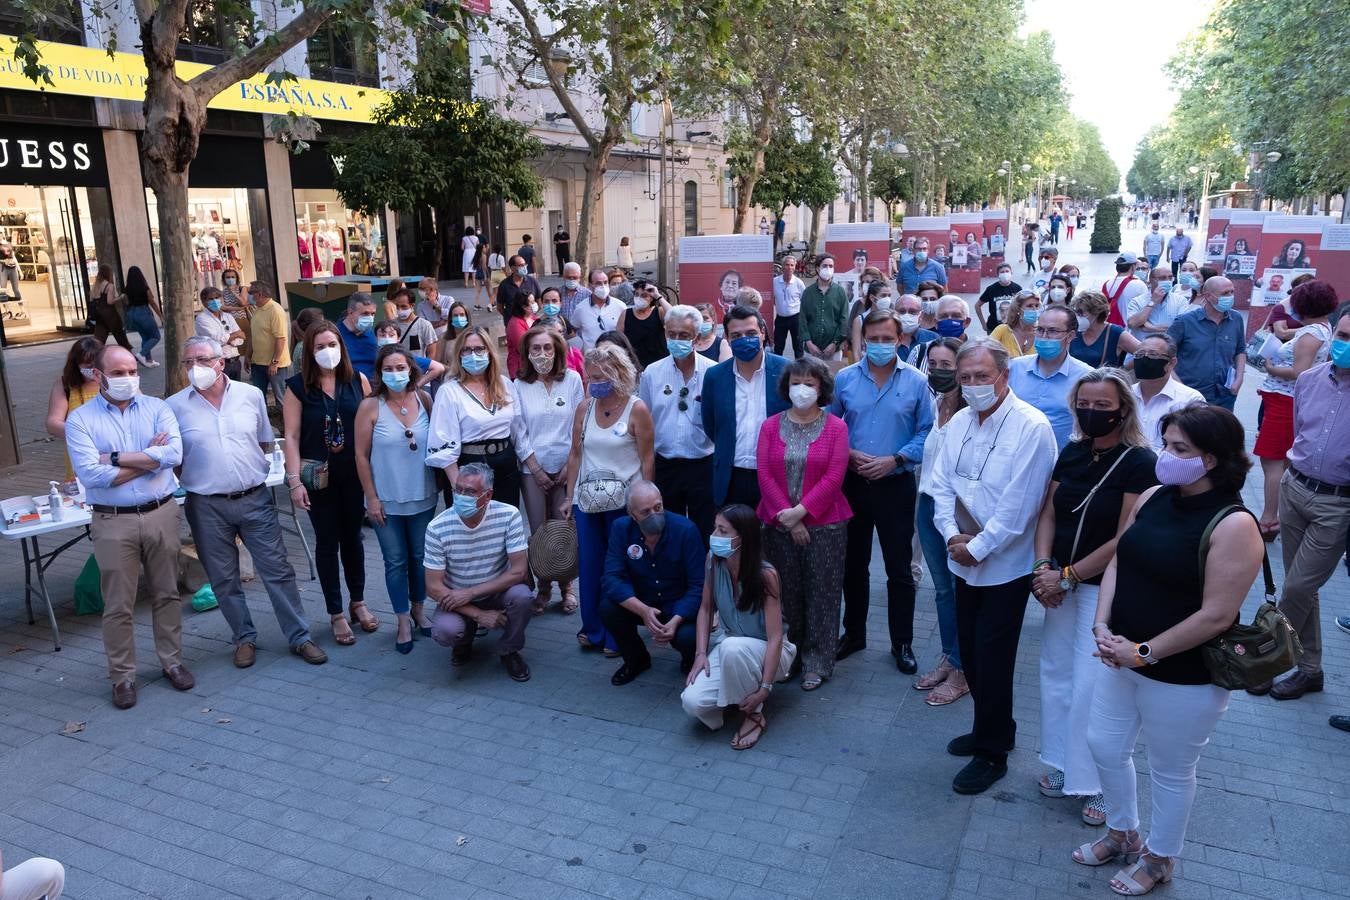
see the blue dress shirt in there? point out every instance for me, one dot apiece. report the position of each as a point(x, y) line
point(1207, 351)
point(885, 419)
point(98, 427)
point(361, 348)
point(669, 578)
point(911, 275)
point(1048, 394)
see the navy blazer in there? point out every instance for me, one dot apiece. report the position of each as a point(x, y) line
point(669, 578)
point(720, 414)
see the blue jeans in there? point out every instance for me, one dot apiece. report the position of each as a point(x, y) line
point(1153, 260)
point(142, 321)
point(592, 544)
point(276, 384)
point(402, 539)
point(935, 555)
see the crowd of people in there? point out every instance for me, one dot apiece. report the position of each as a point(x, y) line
point(726, 498)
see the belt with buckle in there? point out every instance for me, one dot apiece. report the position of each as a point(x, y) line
point(132, 510)
point(1320, 487)
point(237, 494)
point(486, 448)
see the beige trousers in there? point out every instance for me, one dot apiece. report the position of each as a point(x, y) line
point(123, 546)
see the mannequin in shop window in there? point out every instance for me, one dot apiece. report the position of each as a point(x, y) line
point(305, 246)
point(338, 241)
point(323, 250)
point(9, 270)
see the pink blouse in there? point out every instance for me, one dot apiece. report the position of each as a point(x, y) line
point(822, 482)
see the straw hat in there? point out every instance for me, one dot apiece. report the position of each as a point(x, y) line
point(553, 551)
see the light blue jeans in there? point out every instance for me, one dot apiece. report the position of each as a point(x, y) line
point(142, 321)
point(402, 540)
point(935, 556)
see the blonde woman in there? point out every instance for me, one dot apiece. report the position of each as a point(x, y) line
point(1017, 334)
point(1096, 481)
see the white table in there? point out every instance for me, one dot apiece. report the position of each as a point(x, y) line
point(36, 562)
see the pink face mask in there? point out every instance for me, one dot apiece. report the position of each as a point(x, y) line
point(1178, 470)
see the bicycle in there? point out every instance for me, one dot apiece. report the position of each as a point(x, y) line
point(798, 250)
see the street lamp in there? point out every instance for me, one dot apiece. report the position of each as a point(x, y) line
point(1002, 171)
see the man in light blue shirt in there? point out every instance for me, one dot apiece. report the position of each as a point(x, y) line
point(1178, 248)
point(123, 447)
point(889, 410)
point(1045, 378)
point(920, 268)
point(1153, 245)
point(226, 439)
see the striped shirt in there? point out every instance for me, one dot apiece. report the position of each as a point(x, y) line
point(471, 556)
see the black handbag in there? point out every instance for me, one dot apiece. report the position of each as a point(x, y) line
point(1245, 656)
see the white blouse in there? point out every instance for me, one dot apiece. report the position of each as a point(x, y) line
point(459, 418)
point(546, 415)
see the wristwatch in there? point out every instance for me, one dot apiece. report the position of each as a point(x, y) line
point(1145, 653)
point(112, 457)
point(1067, 580)
point(766, 686)
point(899, 462)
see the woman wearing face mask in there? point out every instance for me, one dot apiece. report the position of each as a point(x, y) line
point(459, 320)
point(416, 334)
point(801, 459)
point(737, 663)
point(1017, 333)
point(475, 418)
point(611, 444)
point(947, 682)
point(549, 395)
point(215, 323)
point(1157, 605)
point(1058, 291)
point(520, 318)
point(1098, 342)
point(576, 360)
point(391, 447)
point(929, 293)
point(1097, 479)
point(709, 342)
point(989, 297)
point(876, 295)
point(386, 335)
point(643, 323)
point(76, 386)
point(233, 296)
point(319, 415)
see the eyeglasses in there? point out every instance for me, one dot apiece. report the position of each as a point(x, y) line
point(965, 467)
point(1050, 332)
point(200, 361)
point(412, 442)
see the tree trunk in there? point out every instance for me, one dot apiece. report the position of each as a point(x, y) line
point(745, 184)
point(815, 228)
point(592, 190)
point(863, 174)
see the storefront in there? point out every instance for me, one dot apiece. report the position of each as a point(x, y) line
point(56, 227)
point(330, 239)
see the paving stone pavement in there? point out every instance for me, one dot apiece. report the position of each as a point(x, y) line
point(388, 776)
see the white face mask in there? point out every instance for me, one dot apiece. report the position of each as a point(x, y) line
point(570, 284)
point(600, 292)
point(202, 377)
point(928, 307)
point(909, 323)
point(803, 396)
point(825, 273)
point(404, 314)
point(641, 303)
point(328, 357)
point(1084, 323)
point(88, 374)
point(980, 397)
point(884, 302)
point(1057, 294)
point(124, 387)
point(1005, 278)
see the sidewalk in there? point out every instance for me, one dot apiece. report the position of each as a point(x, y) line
point(388, 776)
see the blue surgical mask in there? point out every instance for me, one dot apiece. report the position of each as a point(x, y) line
point(952, 328)
point(473, 363)
point(1048, 348)
point(1166, 286)
point(1188, 281)
point(1340, 354)
point(921, 256)
point(679, 349)
point(522, 271)
point(459, 322)
point(385, 341)
point(746, 348)
point(1225, 302)
point(880, 354)
point(704, 328)
point(600, 389)
point(552, 309)
point(213, 305)
point(721, 547)
point(364, 323)
point(395, 381)
point(1030, 316)
point(466, 506)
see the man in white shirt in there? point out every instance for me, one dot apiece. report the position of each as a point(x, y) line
point(787, 308)
point(1123, 288)
point(226, 439)
point(600, 313)
point(1158, 392)
point(1152, 312)
point(672, 388)
point(988, 483)
point(213, 323)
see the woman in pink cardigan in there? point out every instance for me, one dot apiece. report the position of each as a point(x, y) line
point(802, 457)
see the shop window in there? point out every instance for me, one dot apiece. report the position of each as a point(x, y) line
point(212, 32)
point(333, 241)
point(691, 207)
point(338, 54)
point(229, 231)
point(62, 23)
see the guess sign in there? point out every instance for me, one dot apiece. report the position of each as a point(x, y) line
point(49, 155)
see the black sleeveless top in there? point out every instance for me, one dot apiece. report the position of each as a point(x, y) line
point(340, 410)
point(714, 351)
point(1158, 581)
point(648, 337)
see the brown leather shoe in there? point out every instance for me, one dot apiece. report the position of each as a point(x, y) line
point(310, 653)
point(460, 655)
point(516, 667)
point(1297, 685)
point(124, 694)
point(245, 655)
point(180, 678)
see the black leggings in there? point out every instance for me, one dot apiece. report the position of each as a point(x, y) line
point(107, 321)
point(505, 476)
point(336, 513)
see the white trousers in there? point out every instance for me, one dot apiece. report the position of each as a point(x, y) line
point(1176, 721)
point(1069, 672)
point(735, 667)
point(33, 879)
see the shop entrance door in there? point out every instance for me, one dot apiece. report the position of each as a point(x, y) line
point(70, 270)
point(48, 232)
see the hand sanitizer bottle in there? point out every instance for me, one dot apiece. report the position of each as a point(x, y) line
point(54, 500)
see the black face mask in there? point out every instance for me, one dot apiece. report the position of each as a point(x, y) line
point(942, 380)
point(1147, 367)
point(1095, 423)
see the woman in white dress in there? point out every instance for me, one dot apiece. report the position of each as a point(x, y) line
point(468, 246)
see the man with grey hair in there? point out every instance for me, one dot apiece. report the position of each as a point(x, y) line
point(475, 563)
point(573, 291)
point(989, 480)
point(357, 330)
point(226, 444)
point(672, 388)
point(654, 577)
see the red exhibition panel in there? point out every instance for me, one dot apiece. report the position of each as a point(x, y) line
point(995, 241)
point(855, 246)
point(1240, 252)
point(714, 267)
point(1216, 241)
point(1334, 262)
point(965, 251)
point(938, 230)
point(1290, 246)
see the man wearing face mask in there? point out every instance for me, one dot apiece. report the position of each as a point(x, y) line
point(672, 388)
point(357, 330)
point(654, 577)
point(1045, 378)
point(1211, 345)
point(1178, 248)
point(1041, 280)
point(824, 313)
point(914, 340)
point(600, 312)
point(431, 305)
point(989, 480)
point(920, 268)
point(1003, 287)
point(220, 326)
point(953, 318)
point(226, 441)
point(520, 284)
point(475, 561)
point(123, 446)
point(1158, 392)
point(1154, 312)
point(888, 409)
point(270, 332)
point(1153, 245)
point(738, 395)
point(1123, 288)
point(574, 292)
point(416, 334)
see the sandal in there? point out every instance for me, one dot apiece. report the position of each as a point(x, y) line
point(570, 602)
point(361, 615)
point(1052, 784)
point(951, 690)
point(937, 676)
point(811, 681)
point(1094, 810)
point(1157, 868)
point(585, 642)
point(1124, 846)
point(342, 633)
point(745, 740)
point(542, 598)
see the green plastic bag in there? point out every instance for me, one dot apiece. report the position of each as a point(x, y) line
point(204, 599)
point(88, 593)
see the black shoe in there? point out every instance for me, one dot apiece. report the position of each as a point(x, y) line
point(962, 746)
point(1341, 722)
point(849, 646)
point(460, 655)
point(1296, 686)
point(627, 673)
point(978, 776)
point(1260, 690)
point(904, 659)
point(516, 667)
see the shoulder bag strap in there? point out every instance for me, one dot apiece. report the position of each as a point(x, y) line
point(1081, 509)
point(1209, 531)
